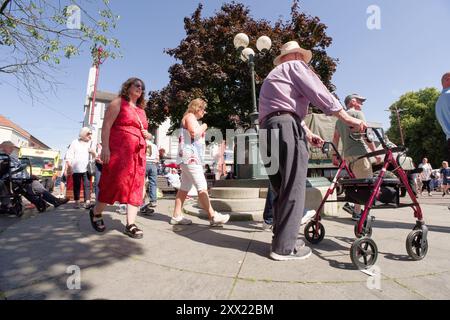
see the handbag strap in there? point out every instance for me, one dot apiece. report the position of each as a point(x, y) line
point(139, 120)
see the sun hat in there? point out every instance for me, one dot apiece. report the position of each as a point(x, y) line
point(291, 47)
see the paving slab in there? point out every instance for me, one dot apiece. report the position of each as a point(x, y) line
point(199, 262)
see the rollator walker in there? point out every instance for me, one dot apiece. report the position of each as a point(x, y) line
point(378, 192)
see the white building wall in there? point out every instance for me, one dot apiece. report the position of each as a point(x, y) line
point(97, 123)
point(13, 136)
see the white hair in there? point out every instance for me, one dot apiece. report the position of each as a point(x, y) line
point(84, 131)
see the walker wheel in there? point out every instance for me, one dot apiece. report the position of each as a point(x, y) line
point(41, 206)
point(364, 253)
point(414, 247)
point(364, 232)
point(313, 234)
point(18, 210)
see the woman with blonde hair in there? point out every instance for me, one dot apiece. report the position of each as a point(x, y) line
point(190, 158)
point(123, 155)
point(77, 159)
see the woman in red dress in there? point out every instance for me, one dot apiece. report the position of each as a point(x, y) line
point(123, 154)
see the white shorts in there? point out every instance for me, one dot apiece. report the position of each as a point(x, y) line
point(193, 174)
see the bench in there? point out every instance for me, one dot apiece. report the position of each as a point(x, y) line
point(163, 185)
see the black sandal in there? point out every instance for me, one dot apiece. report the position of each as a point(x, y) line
point(96, 223)
point(132, 231)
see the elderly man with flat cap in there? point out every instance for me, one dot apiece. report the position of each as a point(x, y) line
point(283, 104)
point(354, 147)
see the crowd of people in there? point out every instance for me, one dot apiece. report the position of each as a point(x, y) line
point(128, 156)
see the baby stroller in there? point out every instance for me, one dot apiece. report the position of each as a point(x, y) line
point(14, 188)
point(375, 193)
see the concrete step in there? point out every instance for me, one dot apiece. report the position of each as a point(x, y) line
point(192, 208)
point(238, 205)
point(235, 193)
point(263, 192)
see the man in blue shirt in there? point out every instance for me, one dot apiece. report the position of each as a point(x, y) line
point(443, 109)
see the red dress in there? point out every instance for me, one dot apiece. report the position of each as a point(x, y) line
point(123, 177)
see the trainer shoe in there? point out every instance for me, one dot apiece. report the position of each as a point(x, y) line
point(122, 209)
point(152, 204)
point(308, 216)
point(219, 219)
point(356, 216)
point(296, 254)
point(60, 202)
point(266, 226)
point(180, 221)
point(348, 207)
point(300, 244)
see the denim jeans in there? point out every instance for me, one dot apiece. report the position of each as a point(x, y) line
point(152, 173)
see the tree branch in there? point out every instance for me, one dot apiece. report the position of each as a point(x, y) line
point(3, 7)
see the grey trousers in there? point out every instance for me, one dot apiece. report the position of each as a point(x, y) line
point(289, 182)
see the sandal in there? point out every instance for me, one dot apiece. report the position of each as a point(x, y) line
point(96, 221)
point(133, 231)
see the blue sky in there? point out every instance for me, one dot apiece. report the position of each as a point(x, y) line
point(411, 51)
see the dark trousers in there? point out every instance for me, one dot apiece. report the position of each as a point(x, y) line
point(289, 182)
point(37, 188)
point(426, 185)
point(77, 177)
point(268, 207)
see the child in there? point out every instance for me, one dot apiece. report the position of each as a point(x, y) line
point(445, 174)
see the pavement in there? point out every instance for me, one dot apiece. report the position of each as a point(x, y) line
point(57, 255)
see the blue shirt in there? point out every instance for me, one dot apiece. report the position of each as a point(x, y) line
point(443, 111)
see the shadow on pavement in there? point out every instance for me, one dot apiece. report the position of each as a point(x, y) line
point(384, 224)
point(43, 248)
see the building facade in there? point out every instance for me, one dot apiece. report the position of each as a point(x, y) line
point(10, 131)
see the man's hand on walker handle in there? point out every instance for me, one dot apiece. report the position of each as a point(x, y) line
point(315, 140)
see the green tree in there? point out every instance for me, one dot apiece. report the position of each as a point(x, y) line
point(36, 35)
point(209, 66)
point(422, 133)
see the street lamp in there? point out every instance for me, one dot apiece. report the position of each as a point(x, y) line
point(394, 108)
point(263, 44)
point(251, 168)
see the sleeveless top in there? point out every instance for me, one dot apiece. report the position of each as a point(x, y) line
point(190, 150)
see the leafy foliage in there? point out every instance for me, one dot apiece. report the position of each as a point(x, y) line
point(422, 133)
point(36, 35)
point(209, 66)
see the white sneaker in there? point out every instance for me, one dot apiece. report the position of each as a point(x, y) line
point(266, 226)
point(297, 254)
point(181, 221)
point(429, 194)
point(122, 209)
point(219, 219)
point(308, 215)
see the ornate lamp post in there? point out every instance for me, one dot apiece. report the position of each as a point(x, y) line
point(263, 44)
point(246, 155)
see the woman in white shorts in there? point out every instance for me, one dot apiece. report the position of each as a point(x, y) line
point(190, 157)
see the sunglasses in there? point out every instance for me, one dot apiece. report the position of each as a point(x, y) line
point(139, 86)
